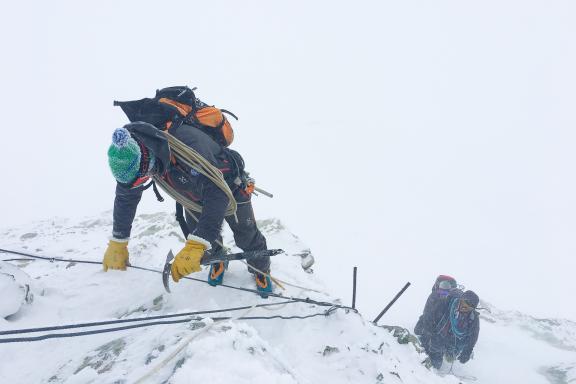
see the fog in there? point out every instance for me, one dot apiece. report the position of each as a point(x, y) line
point(408, 139)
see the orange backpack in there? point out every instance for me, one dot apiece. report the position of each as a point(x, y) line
point(174, 106)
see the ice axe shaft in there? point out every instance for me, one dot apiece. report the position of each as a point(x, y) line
point(208, 259)
point(259, 190)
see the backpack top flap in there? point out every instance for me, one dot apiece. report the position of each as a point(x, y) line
point(181, 94)
point(147, 110)
point(179, 103)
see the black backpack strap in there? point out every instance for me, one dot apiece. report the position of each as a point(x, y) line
point(155, 189)
point(229, 113)
point(181, 220)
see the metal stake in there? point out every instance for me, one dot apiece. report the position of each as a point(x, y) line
point(354, 288)
point(391, 303)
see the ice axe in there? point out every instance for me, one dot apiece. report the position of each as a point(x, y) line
point(210, 258)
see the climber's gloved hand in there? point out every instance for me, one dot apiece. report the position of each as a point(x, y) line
point(188, 259)
point(116, 255)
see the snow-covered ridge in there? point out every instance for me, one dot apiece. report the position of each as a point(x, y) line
point(339, 348)
point(545, 346)
point(559, 333)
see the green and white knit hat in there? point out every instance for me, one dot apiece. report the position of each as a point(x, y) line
point(127, 159)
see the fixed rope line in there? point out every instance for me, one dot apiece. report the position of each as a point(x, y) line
point(50, 259)
point(147, 324)
point(272, 294)
point(85, 333)
point(137, 319)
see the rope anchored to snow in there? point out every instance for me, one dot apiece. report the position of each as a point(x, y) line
point(145, 322)
point(272, 294)
point(155, 320)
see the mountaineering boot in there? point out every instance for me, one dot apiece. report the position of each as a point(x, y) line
point(263, 284)
point(436, 359)
point(216, 274)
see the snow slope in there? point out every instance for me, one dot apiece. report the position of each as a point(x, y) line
point(340, 348)
point(520, 348)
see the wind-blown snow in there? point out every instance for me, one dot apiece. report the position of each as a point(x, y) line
point(340, 348)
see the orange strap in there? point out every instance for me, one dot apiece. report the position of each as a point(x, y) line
point(208, 116)
point(250, 188)
point(183, 109)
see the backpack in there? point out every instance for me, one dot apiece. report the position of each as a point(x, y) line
point(173, 106)
point(444, 282)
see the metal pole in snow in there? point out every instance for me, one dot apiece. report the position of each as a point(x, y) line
point(391, 303)
point(354, 288)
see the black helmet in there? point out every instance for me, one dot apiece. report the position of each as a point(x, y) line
point(471, 298)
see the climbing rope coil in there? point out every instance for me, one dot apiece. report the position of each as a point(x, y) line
point(194, 160)
point(197, 162)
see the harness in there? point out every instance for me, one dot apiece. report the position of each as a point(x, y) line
point(458, 333)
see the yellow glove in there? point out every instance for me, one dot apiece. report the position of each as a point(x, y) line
point(188, 259)
point(116, 255)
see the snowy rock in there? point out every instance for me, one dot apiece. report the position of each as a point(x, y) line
point(15, 288)
point(403, 336)
point(560, 374)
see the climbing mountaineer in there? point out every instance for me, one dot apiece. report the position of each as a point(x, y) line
point(442, 286)
point(180, 143)
point(450, 326)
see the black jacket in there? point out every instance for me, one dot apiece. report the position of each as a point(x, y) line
point(436, 324)
point(434, 299)
point(186, 181)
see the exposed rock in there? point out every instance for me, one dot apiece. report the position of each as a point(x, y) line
point(29, 235)
point(330, 351)
point(104, 357)
point(403, 336)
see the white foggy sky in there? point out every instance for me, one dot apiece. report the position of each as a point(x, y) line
point(407, 138)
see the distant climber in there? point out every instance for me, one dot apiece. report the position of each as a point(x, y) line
point(442, 286)
point(450, 325)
